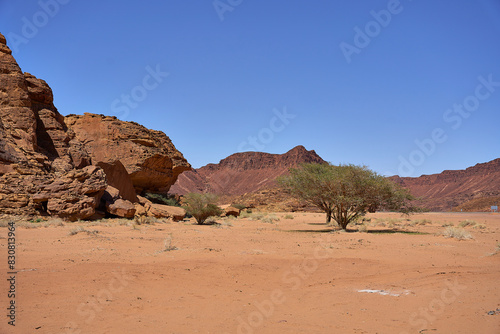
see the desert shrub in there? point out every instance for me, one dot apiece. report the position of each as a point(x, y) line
point(480, 226)
point(145, 220)
point(467, 222)
point(81, 229)
point(457, 233)
point(239, 206)
point(201, 206)
point(270, 219)
point(211, 221)
point(257, 216)
point(245, 214)
point(162, 199)
point(27, 225)
point(362, 228)
point(288, 216)
point(422, 222)
point(249, 210)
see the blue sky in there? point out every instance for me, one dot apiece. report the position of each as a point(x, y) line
point(405, 87)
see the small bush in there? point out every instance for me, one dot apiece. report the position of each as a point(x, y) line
point(457, 233)
point(288, 216)
point(201, 206)
point(167, 247)
point(257, 216)
point(80, 229)
point(479, 226)
point(267, 220)
point(467, 222)
point(423, 222)
point(211, 221)
point(245, 214)
point(362, 228)
point(145, 220)
point(27, 225)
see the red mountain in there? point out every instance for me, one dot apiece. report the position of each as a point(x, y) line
point(254, 173)
point(242, 173)
point(446, 190)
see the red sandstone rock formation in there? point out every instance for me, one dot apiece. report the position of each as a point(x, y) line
point(61, 166)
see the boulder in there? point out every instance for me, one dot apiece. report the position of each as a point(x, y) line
point(150, 158)
point(73, 195)
point(118, 178)
point(166, 211)
point(232, 211)
point(121, 208)
point(62, 166)
point(140, 210)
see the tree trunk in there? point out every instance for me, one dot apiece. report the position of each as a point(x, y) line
point(328, 217)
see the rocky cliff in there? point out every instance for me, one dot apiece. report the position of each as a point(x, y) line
point(242, 173)
point(447, 190)
point(56, 165)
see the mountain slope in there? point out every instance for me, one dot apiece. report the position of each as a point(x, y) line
point(446, 190)
point(242, 173)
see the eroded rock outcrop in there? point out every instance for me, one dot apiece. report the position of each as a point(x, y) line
point(150, 158)
point(56, 165)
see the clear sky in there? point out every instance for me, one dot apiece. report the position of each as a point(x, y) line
point(405, 87)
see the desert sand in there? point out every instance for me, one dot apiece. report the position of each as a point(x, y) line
point(248, 276)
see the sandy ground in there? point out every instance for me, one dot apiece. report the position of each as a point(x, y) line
point(246, 276)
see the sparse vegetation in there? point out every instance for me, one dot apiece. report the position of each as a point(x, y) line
point(239, 206)
point(162, 199)
point(288, 216)
point(362, 228)
point(457, 233)
point(345, 192)
point(211, 221)
point(245, 214)
point(201, 206)
point(145, 220)
point(167, 245)
point(81, 229)
point(270, 219)
point(467, 222)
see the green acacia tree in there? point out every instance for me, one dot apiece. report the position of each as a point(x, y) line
point(201, 206)
point(345, 192)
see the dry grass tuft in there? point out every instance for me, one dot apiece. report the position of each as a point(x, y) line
point(81, 229)
point(467, 222)
point(457, 233)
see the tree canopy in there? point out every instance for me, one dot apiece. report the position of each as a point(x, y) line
point(345, 192)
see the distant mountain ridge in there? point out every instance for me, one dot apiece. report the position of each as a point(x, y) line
point(446, 190)
point(242, 173)
point(243, 176)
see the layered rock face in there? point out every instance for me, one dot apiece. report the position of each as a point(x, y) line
point(56, 165)
point(242, 173)
point(451, 188)
point(150, 158)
